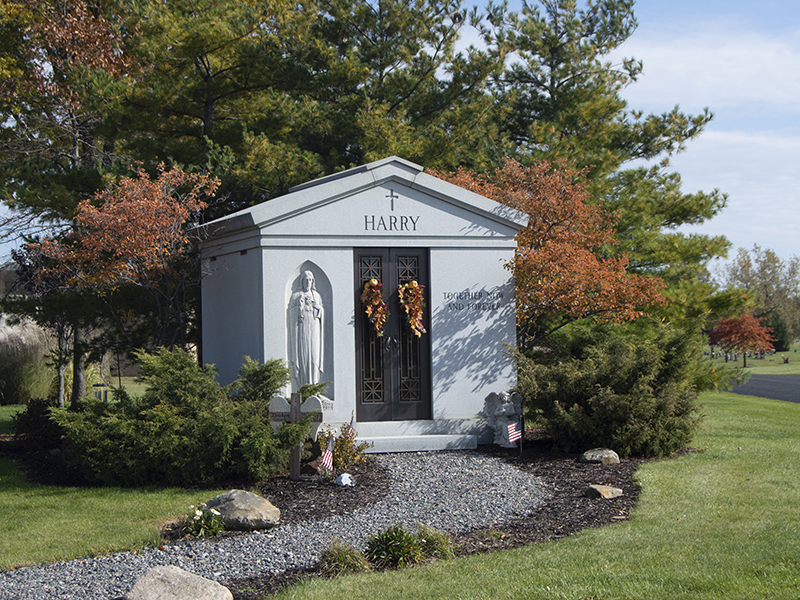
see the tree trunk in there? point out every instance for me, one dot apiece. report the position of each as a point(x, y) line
point(78, 369)
point(62, 369)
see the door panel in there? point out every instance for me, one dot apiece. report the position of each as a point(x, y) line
point(394, 369)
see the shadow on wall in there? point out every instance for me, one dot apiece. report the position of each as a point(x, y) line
point(469, 334)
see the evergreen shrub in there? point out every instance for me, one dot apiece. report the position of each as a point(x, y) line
point(34, 428)
point(185, 430)
point(630, 388)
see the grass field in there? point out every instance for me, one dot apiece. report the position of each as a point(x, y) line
point(6, 413)
point(47, 523)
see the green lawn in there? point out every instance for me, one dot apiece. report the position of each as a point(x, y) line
point(48, 523)
point(6, 413)
point(720, 523)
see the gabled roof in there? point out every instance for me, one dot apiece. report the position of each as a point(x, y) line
point(337, 187)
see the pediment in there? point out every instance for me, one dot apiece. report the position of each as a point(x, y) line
point(388, 198)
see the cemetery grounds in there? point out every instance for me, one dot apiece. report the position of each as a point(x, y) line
point(718, 521)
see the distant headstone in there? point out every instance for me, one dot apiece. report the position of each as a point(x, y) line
point(602, 456)
point(172, 583)
point(245, 511)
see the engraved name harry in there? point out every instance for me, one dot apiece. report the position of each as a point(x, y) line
point(390, 223)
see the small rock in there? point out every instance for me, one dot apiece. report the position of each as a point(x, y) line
point(345, 479)
point(600, 456)
point(245, 511)
point(602, 491)
point(172, 583)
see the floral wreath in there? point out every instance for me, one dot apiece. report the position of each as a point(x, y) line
point(377, 310)
point(413, 301)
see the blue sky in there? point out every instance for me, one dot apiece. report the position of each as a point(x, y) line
point(741, 59)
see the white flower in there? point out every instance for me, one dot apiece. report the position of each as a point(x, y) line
point(215, 512)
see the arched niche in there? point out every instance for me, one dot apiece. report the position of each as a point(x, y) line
point(317, 303)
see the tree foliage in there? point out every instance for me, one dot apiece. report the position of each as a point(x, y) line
point(772, 283)
point(565, 99)
point(137, 237)
point(266, 94)
point(742, 334)
point(560, 268)
point(69, 66)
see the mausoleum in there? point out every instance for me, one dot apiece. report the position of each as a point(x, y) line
point(293, 277)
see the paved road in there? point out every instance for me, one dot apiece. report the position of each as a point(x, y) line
point(777, 387)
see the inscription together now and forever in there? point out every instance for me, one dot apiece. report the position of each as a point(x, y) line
point(467, 300)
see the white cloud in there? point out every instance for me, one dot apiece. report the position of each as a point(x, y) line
point(759, 173)
point(749, 76)
point(725, 69)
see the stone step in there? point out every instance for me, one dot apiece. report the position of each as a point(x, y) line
point(419, 443)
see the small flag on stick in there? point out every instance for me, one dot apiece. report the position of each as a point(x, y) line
point(513, 433)
point(327, 456)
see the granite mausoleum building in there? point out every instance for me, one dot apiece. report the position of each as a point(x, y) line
point(287, 278)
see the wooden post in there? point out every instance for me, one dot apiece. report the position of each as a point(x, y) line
point(294, 459)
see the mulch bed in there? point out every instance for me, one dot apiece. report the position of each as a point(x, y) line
point(567, 511)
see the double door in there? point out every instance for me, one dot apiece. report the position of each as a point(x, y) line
point(394, 369)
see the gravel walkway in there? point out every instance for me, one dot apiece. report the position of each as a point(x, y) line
point(453, 491)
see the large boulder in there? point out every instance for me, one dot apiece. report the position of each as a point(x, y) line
point(245, 511)
point(172, 583)
point(600, 456)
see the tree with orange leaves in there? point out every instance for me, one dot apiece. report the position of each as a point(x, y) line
point(136, 236)
point(562, 272)
point(742, 334)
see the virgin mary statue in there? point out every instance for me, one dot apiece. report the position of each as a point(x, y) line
point(306, 315)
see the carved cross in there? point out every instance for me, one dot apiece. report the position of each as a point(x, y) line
point(392, 196)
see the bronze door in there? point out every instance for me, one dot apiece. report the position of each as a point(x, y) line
point(393, 369)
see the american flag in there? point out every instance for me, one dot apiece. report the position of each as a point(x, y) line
point(327, 456)
point(513, 433)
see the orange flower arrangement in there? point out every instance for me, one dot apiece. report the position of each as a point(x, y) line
point(413, 301)
point(377, 310)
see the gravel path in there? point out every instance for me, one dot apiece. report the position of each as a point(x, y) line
point(453, 491)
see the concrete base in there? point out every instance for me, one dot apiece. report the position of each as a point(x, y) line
point(420, 443)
